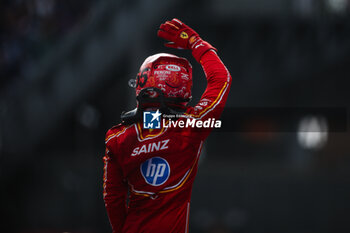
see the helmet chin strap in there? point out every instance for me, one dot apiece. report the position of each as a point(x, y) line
point(143, 99)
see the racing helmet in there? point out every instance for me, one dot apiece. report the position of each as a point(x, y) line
point(164, 81)
point(171, 74)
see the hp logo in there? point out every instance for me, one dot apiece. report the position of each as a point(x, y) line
point(155, 171)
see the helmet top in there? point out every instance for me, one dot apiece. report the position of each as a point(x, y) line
point(169, 73)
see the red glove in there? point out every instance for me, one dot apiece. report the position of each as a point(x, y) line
point(182, 36)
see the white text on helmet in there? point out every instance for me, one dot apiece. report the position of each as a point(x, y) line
point(173, 68)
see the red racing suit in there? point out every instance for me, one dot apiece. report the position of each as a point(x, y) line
point(154, 169)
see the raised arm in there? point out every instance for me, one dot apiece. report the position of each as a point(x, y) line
point(218, 77)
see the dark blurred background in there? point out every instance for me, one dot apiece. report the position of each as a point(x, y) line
point(64, 71)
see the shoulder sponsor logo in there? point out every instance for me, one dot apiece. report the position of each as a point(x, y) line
point(203, 103)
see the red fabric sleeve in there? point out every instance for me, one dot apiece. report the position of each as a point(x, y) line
point(114, 192)
point(214, 97)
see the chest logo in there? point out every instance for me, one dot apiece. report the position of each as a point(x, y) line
point(155, 171)
point(151, 147)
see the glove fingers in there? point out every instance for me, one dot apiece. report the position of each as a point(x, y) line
point(178, 33)
point(172, 24)
point(169, 26)
point(177, 22)
point(165, 35)
point(181, 24)
point(171, 45)
point(163, 26)
point(169, 32)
